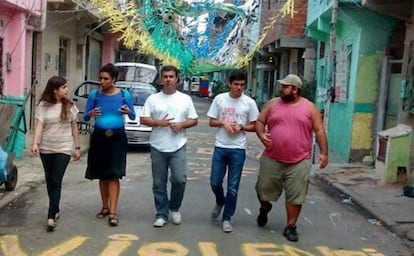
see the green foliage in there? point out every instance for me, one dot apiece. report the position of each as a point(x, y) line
point(309, 90)
point(219, 87)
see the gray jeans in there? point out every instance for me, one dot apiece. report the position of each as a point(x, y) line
point(177, 163)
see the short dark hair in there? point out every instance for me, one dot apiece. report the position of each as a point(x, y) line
point(170, 68)
point(111, 69)
point(237, 75)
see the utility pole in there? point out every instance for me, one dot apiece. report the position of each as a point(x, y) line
point(332, 41)
point(331, 61)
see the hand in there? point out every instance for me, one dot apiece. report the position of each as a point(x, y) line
point(230, 127)
point(323, 159)
point(264, 137)
point(76, 154)
point(166, 121)
point(176, 127)
point(95, 112)
point(237, 127)
point(124, 109)
point(35, 149)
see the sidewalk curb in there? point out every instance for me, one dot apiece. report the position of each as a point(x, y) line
point(363, 204)
point(23, 189)
point(19, 192)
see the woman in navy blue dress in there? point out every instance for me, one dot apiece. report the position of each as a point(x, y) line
point(108, 143)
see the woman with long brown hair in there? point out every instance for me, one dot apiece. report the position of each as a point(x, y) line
point(56, 138)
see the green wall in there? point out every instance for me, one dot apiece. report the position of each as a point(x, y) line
point(366, 33)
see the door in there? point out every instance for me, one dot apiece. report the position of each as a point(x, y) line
point(94, 61)
point(393, 100)
point(80, 96)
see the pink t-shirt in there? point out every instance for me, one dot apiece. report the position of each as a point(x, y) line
point(290, 128)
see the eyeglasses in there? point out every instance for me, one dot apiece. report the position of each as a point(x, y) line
point(104, 78)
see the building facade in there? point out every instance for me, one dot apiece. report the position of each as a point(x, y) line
point(348, 73)
point(286, 49)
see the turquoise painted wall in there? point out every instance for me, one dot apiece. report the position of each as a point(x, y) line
point(317, 8)
point(339, 130)
point(366, 33)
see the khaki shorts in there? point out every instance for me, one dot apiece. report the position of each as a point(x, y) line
point(274, 177)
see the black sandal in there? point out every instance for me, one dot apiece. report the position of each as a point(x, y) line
point(103, 213)
point(113, 219)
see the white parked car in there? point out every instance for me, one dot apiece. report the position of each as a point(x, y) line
point(138, 79)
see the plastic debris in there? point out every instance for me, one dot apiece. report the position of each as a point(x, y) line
point(375, 222)
point(347, 200)
point(248, 212)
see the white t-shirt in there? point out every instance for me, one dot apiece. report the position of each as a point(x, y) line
point(242, 110)
point(56, 135)
point(178, 106)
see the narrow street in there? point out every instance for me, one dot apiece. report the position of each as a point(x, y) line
point(327, 226)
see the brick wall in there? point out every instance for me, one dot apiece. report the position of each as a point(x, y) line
point(293, 26)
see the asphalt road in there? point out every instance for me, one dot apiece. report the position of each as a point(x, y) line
point(327, 226)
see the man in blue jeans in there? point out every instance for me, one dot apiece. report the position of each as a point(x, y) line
point(234, 114)
point(170, 113)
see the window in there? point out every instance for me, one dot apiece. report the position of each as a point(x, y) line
point(321, 50)
point(63, 56)
point(343, 72)
point(85, 89)
point(140, 93)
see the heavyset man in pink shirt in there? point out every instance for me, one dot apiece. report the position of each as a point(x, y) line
point(285, 126)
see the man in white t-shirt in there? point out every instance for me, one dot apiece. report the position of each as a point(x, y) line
point(234, 114)
point(169, 112)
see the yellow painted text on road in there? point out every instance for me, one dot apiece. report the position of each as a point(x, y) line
point(119, 243)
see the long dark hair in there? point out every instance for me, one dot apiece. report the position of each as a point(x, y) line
point(49, 97)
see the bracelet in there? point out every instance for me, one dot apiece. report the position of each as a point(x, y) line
point(77, 147)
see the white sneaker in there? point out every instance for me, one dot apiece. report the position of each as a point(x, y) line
point(51, 225)
point(159, 222)
point(176, 218)
point(227, 227)
point(216, 211)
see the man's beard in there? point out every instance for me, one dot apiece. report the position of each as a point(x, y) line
point(287, 98)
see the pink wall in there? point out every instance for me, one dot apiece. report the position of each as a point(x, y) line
point(17, 37)
point(15, 44)
point(110, 43)
point(34, 6)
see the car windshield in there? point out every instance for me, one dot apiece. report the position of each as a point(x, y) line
point(140, 94)
point(136, 74)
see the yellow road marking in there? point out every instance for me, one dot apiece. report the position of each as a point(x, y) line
point(163, 249)
point(10, 246)
point(207, 249)
point(115, 248)
point(65, 247)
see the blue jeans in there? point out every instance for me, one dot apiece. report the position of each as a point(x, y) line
point(233, 160)
point(54, 166)
point(177, 163)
